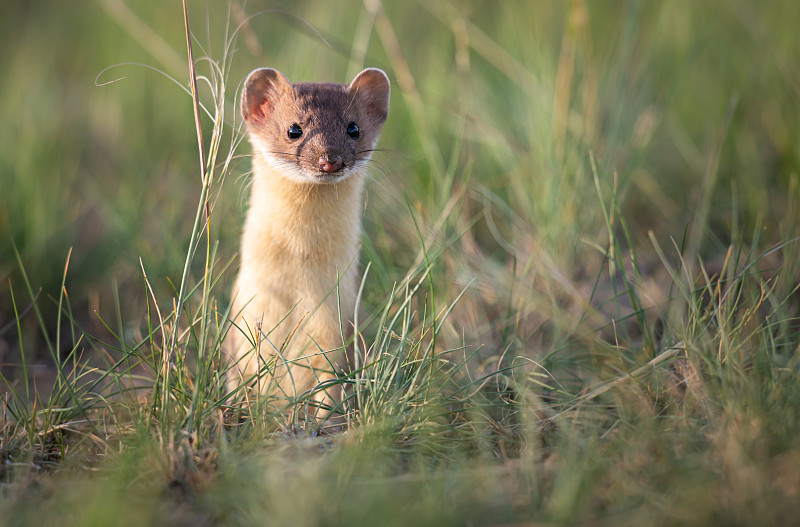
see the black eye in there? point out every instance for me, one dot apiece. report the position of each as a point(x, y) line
point(352, 130)
point(295, 132)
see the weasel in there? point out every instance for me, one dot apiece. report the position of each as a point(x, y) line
point(296, 290)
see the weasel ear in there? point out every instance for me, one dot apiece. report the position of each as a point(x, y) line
point(372, 87)
point(261, 89)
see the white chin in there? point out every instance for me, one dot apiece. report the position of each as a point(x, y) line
point(298, 175)
point(328, 177)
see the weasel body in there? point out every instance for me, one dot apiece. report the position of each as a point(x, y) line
point(296, 290)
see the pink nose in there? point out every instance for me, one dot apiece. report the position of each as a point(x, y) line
point(330, 165)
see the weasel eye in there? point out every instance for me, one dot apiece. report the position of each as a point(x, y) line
point(352, 130)
point(295, 132)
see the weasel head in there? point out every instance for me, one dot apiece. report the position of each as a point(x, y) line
point(315, 132)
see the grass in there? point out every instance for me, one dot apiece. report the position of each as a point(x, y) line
point(580, 294)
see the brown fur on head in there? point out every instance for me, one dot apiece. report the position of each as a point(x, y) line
point(315, 132)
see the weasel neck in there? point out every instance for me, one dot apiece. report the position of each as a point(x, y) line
point(305, 222)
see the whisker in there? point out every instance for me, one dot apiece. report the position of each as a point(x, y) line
point(245, 183)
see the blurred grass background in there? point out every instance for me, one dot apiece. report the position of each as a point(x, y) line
point(686, 104)
point(528, 141)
